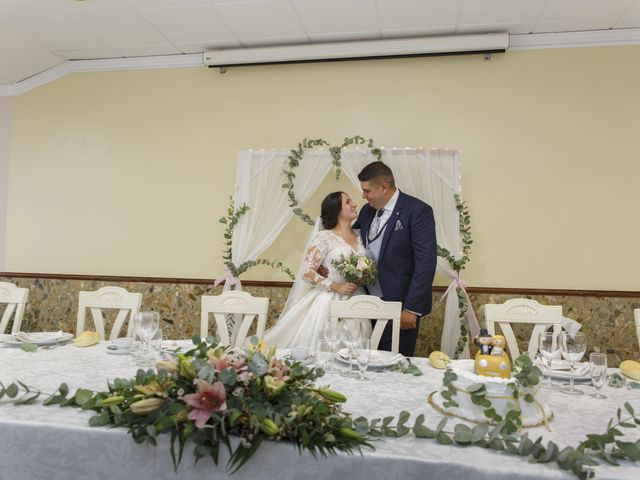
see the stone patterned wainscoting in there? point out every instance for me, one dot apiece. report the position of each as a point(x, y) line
point(607, 317)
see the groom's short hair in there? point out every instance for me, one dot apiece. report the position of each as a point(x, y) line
point(377, 173)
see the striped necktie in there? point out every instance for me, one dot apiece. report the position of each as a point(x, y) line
point(375, 224)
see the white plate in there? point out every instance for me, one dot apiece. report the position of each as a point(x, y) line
point(42, 338)
point(308, 360)
point(581, 372)
point(379, 358)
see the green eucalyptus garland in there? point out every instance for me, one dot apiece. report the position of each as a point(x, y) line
point(297, 154)
point(230, 220)
point(459, 264)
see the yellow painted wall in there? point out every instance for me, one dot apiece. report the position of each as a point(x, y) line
point(127, 172)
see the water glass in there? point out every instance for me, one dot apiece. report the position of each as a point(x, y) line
point(331, 334)
point(598, 369)
point(549, 347)
point(573, 349)
point(350, 334)
point(324, 355)
point(137, 348)
point(146, 324)
point(363, 356)
point(155, 344)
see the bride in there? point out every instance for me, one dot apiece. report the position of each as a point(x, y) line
point(307, 309)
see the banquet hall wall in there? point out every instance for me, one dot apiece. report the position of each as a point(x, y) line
point(127, 172)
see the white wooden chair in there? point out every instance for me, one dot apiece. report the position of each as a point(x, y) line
point(636, 314)
point(16, 299)
point(110, 298)
point(523, 311)
point(368, 307)
point(234, 302)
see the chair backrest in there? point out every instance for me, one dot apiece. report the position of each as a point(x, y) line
point(636, 314)
point(15, 298)
point(238, 303)
point(525, 311)
point(109, 298)
point(368, 307)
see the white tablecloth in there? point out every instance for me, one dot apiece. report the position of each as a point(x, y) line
point(57, 443)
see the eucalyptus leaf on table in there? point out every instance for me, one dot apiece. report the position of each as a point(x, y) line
point(28, 347)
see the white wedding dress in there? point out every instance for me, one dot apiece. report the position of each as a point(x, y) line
point(302, 323)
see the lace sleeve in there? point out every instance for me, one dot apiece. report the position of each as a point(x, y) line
point(315, 256)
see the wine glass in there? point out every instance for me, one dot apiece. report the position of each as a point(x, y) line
point(598, 369)
point(573, 348)
point(350, 334)
point(549, 349)
point(363, 356)
point(146, 325)
point(331, 334)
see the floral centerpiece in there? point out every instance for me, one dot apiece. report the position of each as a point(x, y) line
point(358, 269)
point(211, 393)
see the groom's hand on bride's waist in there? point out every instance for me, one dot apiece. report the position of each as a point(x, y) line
point(323, 271)
point(407, 320)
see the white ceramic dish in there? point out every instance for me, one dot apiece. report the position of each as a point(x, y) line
point(40, 338)
point(379, 358)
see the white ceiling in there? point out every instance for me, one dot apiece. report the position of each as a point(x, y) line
point(36, 35)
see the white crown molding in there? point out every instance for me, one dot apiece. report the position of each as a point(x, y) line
point(534, 41)
point(595, 38)
point(103, 65)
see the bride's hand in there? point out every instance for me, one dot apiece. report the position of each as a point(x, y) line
point(344, 288)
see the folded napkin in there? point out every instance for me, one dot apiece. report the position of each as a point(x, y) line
point(86, 339)
point(380, 356)
point(570, 326)
point(35, 337)
point(559, 364)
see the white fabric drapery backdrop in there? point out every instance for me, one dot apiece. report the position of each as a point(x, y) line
point(431, 175)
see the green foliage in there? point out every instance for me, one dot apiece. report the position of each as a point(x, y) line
point(459, 264)
point(297, 154)
point(618, 381)
point(19, 393)
point(264, 399)
point(230, 220)
point(503, 434)
point(28, 347)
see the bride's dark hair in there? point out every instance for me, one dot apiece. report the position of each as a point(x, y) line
point(330, 210)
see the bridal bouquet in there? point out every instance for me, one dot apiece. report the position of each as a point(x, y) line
point(358, 269)
point(211, 393)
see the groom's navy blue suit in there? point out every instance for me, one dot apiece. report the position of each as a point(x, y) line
point(406, 262)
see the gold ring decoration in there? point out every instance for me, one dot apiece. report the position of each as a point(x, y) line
point(438, 408)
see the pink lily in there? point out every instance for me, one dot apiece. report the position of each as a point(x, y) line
point(206, 401)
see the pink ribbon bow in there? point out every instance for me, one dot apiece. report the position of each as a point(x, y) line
point(474, 326)
point(226, 277)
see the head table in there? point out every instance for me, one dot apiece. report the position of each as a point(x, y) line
point(57, 443)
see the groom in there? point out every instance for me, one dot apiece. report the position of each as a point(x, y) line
point(399, 231)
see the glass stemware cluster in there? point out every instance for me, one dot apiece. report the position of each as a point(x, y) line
point(572, 347)
point(350, 333)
